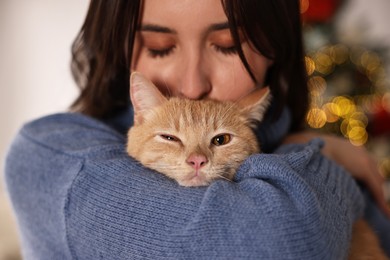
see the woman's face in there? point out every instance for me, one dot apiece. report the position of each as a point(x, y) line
point(186, 49)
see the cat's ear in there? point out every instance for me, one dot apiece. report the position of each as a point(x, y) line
point(144, 95)
point(255, 104)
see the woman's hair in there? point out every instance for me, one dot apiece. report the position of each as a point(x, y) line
point(103, 48)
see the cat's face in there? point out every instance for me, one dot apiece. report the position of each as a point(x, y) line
point(193, 142)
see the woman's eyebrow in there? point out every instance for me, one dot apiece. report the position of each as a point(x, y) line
point(218, 26)
point(155, 28)
point(162, 29)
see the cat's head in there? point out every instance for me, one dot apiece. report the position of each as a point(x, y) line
point(193, 142)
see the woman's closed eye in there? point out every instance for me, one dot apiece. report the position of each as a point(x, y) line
point(157, 45)
point(160, 53)
point(231, 50)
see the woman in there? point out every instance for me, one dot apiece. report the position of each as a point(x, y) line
point(77, 194)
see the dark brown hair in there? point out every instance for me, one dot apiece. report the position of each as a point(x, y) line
point(102, 52)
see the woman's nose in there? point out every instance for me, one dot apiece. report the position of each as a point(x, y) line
point(193, 79)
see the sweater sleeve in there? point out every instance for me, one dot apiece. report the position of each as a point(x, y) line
point(77, 195)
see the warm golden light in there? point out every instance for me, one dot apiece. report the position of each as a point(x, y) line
point(358, 136)
point(310, 65)
point(316, 118)
point(346, 115)
point(345, 104)
point(355, 131)
point(324, 63)
point(332, 112)
point(359, 116)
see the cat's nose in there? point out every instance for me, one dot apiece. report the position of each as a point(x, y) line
point(197, 161)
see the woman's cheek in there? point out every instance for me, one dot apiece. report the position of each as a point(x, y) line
point(231, 80)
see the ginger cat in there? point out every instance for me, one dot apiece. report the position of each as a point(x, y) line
point(197, 142)
point(192, 142)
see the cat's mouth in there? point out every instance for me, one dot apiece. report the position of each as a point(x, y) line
point(195, 178)
point(204, 177)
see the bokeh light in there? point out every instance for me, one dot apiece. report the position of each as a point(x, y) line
point(316, 118)
point(310, 65)
point(323, 63)
point(345, 104)
point(345, 113)
point(304, 6)
point(332, 111)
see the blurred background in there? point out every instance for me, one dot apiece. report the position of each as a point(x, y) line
point(348, 58)
point(35, 79)
point(348, 61)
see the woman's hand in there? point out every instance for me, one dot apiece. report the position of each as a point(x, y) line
point(354, 159)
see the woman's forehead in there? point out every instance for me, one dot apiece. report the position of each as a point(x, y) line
point(183, 14)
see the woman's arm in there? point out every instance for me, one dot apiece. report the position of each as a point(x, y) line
point(356, 160)
point(78, 195)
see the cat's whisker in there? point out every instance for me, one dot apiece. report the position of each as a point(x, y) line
point(168, 89)
point(187, 126)
point(162, 166)
point(166, 167)
point(224, 178)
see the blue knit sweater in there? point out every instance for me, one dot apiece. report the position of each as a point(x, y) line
point(78, 195)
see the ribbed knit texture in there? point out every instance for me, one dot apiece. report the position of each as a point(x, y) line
point(77, 195)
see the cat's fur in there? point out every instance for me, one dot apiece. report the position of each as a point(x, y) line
point(197, 142)
point(180, 138)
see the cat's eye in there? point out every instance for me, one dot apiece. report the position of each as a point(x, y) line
point(221, 139)
point(170, 138)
